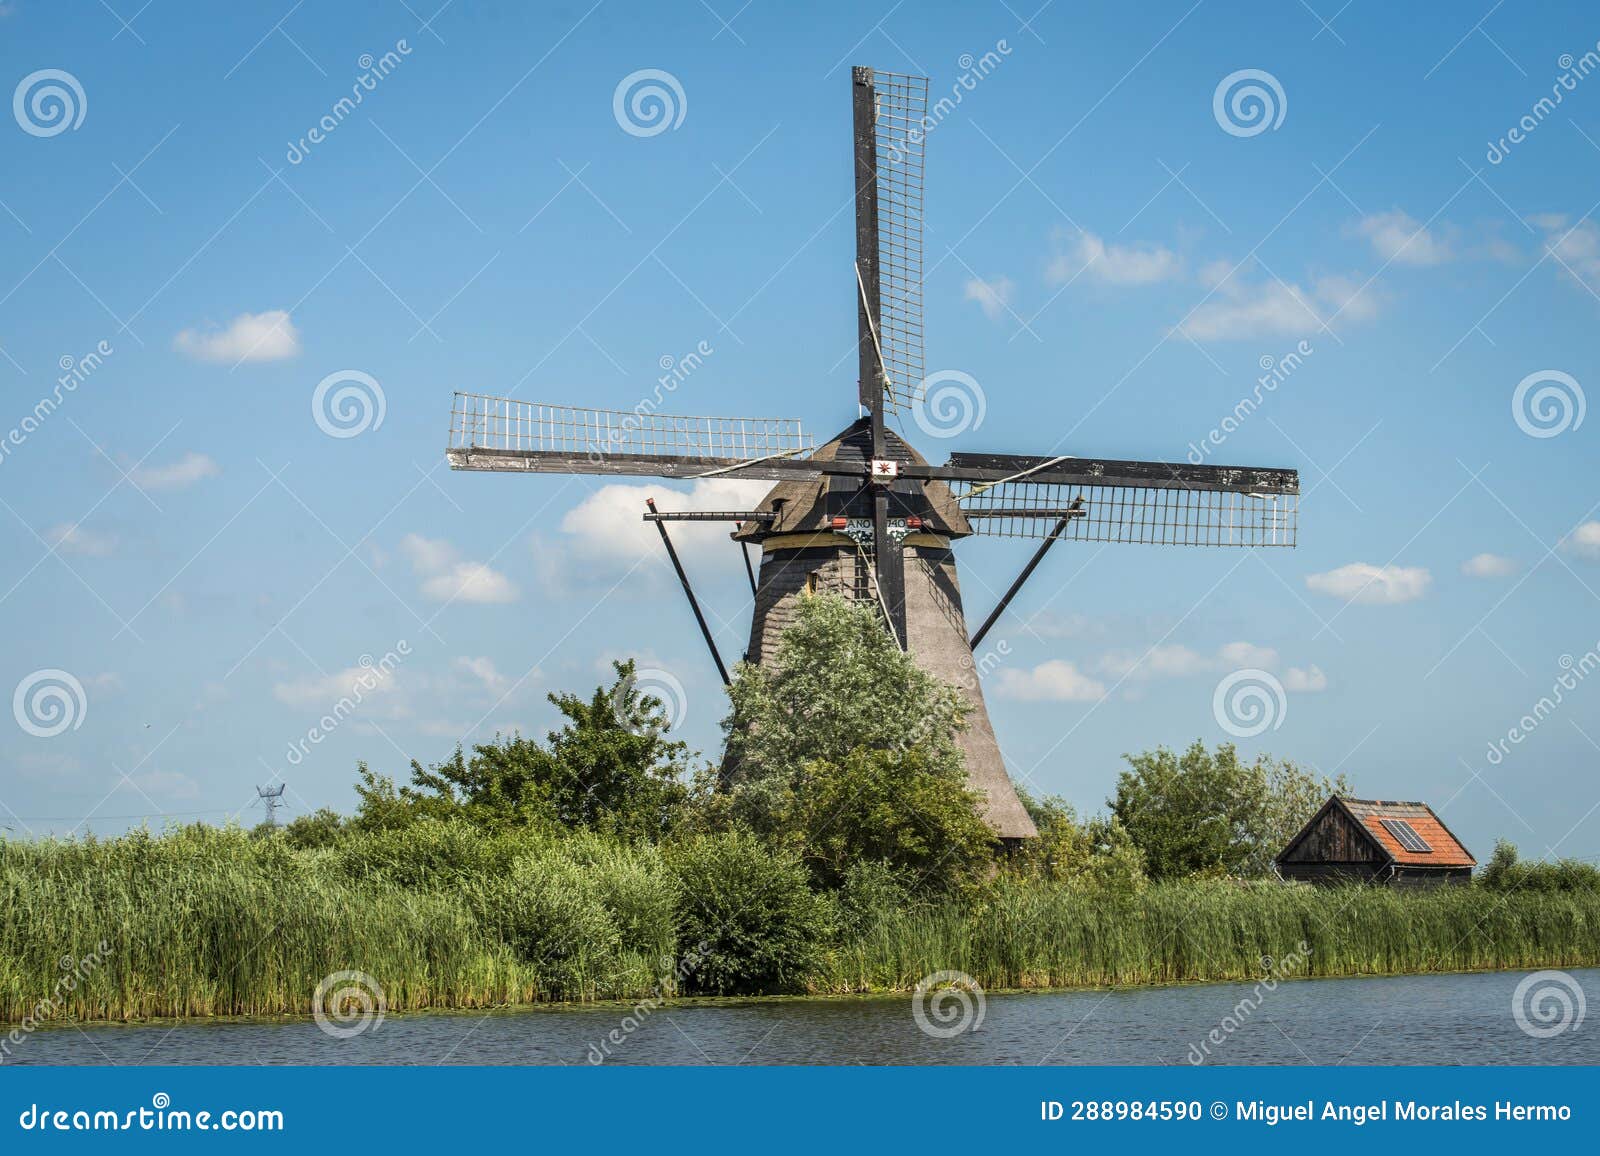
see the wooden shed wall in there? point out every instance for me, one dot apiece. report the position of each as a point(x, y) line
point(1335, 839)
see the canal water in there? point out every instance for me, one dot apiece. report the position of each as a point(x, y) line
point(1448, 1019)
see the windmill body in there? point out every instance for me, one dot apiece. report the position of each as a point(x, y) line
point(865, 515)
point(805, 550)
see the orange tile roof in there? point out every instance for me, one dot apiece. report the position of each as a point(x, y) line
point(1447, 849)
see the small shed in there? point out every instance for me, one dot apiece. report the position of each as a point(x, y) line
point(1376, 841)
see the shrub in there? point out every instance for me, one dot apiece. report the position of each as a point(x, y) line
point(1505, 872)
point(749, 921)
point(550, 912)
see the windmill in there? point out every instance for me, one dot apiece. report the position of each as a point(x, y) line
point(865, 515)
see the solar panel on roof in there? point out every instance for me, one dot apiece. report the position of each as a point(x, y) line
point(1405, 834)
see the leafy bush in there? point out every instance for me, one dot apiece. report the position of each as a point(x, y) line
point(1206, 813)
point(749, 921)
point(550, 912)
point(1505, 872)
point(1099, 853)
point(637, 888)
point(844, 750)
point(609, 768)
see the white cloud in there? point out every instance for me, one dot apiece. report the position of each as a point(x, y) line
point(1488, 566)
point(483, 669)
point(470, 582)
point(1306, 681)
point(1376, 585)
point(447, 578)
point(1182, 662)
point(1246, 654)
point(1157, 662)
point(320, 691)
point(186, 471)
point(428, 555)
point(1240, 309)
point(268, 336)
point(1140, 264)
point(993, 296)
point(609, 524)
point(1397, 236)
point(1584, 541)
point(1576, 247)
point(1052, 681)
point(73, 538)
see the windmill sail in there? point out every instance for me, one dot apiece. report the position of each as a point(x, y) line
point(1157, 503)
point(891, 112)
point(498, 433)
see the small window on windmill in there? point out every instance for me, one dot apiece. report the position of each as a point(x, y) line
point(812, 581)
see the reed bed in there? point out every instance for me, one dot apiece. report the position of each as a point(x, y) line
point(205, 922)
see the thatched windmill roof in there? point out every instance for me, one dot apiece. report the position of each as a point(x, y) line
point(802, 506)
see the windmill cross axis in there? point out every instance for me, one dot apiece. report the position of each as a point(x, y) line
point(865, 515)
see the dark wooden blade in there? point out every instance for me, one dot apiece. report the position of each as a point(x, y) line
point(638, 465)
point(1041, 470)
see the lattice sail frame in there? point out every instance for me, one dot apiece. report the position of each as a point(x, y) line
point(1166, 516)
point(900, 136)
point(481, 422)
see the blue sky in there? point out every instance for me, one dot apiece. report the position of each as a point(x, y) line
point(1110, 258)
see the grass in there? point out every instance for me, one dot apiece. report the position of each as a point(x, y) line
point(203, 922)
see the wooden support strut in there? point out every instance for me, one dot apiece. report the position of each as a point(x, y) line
point(1074, 511)
point(694, 605)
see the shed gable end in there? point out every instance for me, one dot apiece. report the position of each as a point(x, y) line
point(1334, 837)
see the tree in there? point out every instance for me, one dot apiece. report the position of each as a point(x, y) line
point(845, 750)
point(321, 828)
point(1098, 853)
point(609, 768)
point(1206, 812)
point(882, 807)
